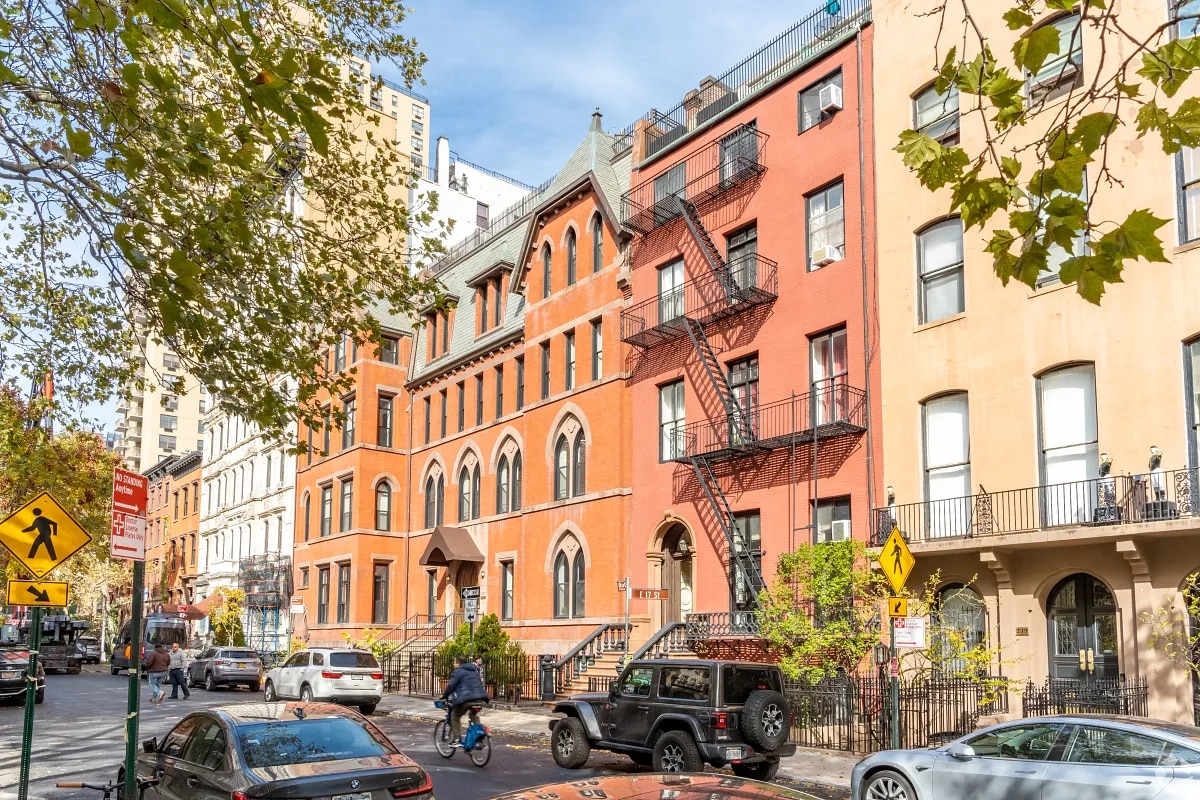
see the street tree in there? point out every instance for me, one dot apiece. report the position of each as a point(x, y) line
point(1041, 124)
point(205, 175)
point(225, 617)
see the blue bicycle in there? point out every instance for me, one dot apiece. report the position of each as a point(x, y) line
point(477, 742)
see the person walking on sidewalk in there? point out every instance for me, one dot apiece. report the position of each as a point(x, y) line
point(157, 665)
point(464, 690)
point(177, 666)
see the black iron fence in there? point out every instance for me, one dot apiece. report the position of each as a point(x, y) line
point(1068, 696)
point(508, 678)
point(1113, 500)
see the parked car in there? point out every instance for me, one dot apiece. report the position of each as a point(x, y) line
point(279, 750)
point(14, 663)
point(226, 666)
point(1044, 758)
point(333, 674)
point(680, 715)
point(89, 649)
point(701, 786)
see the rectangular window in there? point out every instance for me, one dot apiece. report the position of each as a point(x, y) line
point(671, 421)
point(175, 500)
point(446, 333)
point(482, 295)
point(389, 350)
point(1189, 27)
point(481, 215)
point(445, 412)
point(831, 399)
point(433, 336)
point(462, 406)
point(479, 399)
point(826, 226)
point(348, 408)
point(597, 349)
point(499, 377)
point(343, 595)
point(339, 355)
point(170, 361)
point(418, 111)
point(346, 506)
point(326, 428)
point(668, 187)
point(498, 306)
point(1070, 453)
point(833, 520)
point(811, 114)
point(545, 370)
point(670, 292)
point(940, 266)
point(1192, 364)
point(431, 594)
point(739, 153)
point(417, 143)
point(1057, 255)
point(386, 405)
point(569, 361)
point(428, 420)
point(379, 595)
point(1189, 193)
point(417, 127)
point(748, 532)
point(304, 577)
point(323, 595)
point(743, 381)
point(936, 115)
point(166, 442)
point(520, 382)
point(1062, 71)
point(741, 254)
point(168, 422)
point(506, 590)
point(947, 432)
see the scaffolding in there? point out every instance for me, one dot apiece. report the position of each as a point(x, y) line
point(266, 580)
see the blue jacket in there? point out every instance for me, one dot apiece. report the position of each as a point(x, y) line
point(465, 685)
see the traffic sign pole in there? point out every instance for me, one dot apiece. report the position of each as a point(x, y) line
point(894, 689)
point(35, 643)
point(135, 675)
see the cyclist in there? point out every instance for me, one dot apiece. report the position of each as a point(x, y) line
point(464, 690)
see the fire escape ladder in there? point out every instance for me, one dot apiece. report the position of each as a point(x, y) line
point(740, 427)
point(711, 254)
point(741, 557)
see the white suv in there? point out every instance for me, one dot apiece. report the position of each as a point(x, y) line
point(332, 674)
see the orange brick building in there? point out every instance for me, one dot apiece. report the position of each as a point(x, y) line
point(172, 528)
point(752, 322)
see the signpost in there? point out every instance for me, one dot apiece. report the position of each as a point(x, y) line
point(129, 542)
point(897, 562)
point(624, 586)
point(41, 535)
point(470, 602)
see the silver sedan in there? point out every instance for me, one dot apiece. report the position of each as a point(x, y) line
point(1043, 758)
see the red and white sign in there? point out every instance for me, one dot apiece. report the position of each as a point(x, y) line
point(910, 632)
point(129, 515)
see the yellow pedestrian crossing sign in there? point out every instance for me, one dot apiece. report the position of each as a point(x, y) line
point(896, 560)
point(41, 535)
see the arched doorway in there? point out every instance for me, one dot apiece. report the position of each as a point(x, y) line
point(1082, 615)
point(677, 574)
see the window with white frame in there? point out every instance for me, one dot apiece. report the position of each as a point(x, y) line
point(1062, 71)
point(1192, 365)
point(946, 429)
point(833, 519)
point(1189, 193)
point(1070, 454)
point(1186, 15)
point(826, 226)
point(668, 186)
point(935, 114)
point(940, 267)
point(670, 292)
point(506, 590)
point(671, 421)
point(811, 114)
point(1056, 254)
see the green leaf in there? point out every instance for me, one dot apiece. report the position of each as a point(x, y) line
point(1017, 19)
point(1035, 46)
point(1091, 130)
point(80, 142)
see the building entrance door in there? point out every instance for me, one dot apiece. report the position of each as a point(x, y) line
point(677, 574)
point(1082, 614)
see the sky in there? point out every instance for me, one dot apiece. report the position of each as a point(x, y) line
point(513, 84)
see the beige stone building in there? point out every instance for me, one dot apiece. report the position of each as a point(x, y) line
point(1001, 404)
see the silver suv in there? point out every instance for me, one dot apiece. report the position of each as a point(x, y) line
point(226, 666)
point(331, 674)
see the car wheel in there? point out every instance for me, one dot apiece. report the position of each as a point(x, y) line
point(209, 684)
point(114, 671)
point(367, 708)
point(676, 752)
point(569, 743)
point(269, 693)
point(765, 720)
point(759, 771)
point(306, 695)
point(888, 785)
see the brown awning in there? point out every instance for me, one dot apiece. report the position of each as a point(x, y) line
point(450, 544)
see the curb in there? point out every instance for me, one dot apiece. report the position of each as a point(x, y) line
point(415, 716)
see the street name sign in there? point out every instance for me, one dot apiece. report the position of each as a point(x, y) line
point(48, 594)
point(41, 535)
point(129, 515)
point(651, 594)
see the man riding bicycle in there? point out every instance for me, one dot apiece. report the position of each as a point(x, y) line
point(464, 690)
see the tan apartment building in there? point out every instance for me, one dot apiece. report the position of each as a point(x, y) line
point(1022, 426)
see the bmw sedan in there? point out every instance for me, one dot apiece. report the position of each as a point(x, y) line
point(289, 750)
point(1043, 758)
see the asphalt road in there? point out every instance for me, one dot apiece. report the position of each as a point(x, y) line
point(79, 736)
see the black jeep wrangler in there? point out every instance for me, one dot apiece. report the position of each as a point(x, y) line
point(677, 715)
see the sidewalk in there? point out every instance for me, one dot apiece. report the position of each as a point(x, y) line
point(825, 767)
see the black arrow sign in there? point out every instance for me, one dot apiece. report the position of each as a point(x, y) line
point(39, 594)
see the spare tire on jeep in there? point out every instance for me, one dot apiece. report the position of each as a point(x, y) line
point(765, 720)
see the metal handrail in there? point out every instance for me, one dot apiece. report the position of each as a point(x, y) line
point(580, 656)
point(663, 634)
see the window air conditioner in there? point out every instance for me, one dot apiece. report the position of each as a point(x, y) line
point(830, 98)
point(840, 530)
point(826, 254)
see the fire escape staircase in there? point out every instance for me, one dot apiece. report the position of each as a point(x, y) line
point(709, 250)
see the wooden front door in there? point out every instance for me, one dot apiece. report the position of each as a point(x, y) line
point(676, 575)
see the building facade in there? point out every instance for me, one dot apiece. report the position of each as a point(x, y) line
point(1041, 450)
point(158, 528)
point(181, 547)
point(157, 422)
point(751, 322)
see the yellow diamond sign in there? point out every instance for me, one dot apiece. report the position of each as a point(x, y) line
point(896, 560)
point(41, 535)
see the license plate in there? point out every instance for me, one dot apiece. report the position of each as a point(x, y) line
point(10, 674)
point(241, 665)
point(355, 796)
point(734, 752)
point(356, 677)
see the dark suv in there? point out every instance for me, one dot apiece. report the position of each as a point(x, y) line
point(678, 715)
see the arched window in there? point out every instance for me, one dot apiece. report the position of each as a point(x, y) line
point(475, 492)
point(571, 253)
point(441, 499)
point(502, 479)
point(546, 270)
point(961, 622)
point(597, 243)
point(464, 495)
point(307, 515)
point(430, 503)
point(562, 587)
point(562, 469)
point(578, 465)
point(383, 507)
point(515, 503)
point(578, 592)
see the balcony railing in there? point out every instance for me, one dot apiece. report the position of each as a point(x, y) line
point(827, 412)
point(712, 170)
point(1114, 500)
point(721, 625)
point(753, 280)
